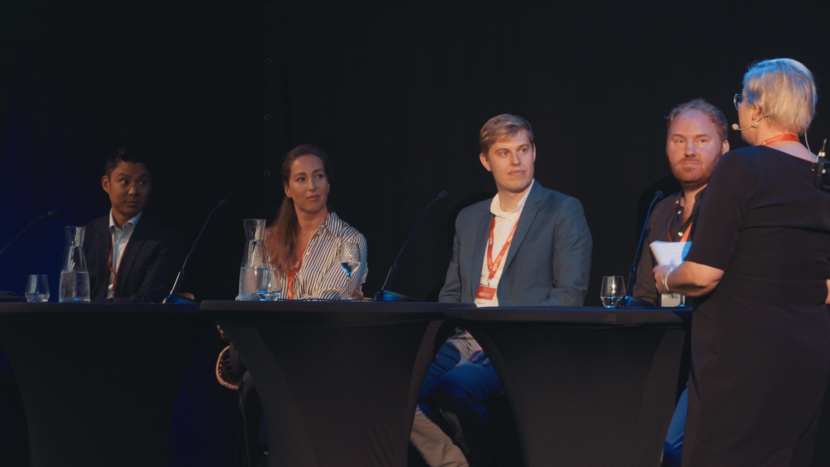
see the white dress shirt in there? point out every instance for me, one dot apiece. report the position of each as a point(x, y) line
point(504, 225)
point(120, 238)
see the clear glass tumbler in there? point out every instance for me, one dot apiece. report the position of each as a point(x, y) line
point(37, 288)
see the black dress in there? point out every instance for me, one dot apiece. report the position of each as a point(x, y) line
point(761, 339)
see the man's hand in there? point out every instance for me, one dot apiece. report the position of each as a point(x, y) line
point(479, 356)
point(222, 334)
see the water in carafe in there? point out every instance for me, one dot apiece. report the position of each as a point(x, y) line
point(254, 274)
point(74, 286)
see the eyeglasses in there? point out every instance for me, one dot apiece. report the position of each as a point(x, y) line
point(737, 100)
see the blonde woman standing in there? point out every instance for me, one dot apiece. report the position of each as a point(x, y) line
point(759, 267)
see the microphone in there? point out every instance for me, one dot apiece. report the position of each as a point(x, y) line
point(819, 167)
point(629, 301)
point(49, 214)
point(383, 294)
point(754, 124)
point(172, 298)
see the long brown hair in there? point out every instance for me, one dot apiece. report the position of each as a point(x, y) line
point(281, 237)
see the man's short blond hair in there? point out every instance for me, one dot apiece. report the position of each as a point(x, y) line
point(502, 126)
point(785, 91)
point(714, 114)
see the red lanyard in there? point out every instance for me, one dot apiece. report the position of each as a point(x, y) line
point(781, 137)
point(685, 236)
point(493, 266)
point(120, 260)
point(293, 274)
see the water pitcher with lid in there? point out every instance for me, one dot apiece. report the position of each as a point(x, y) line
point(74, 275)
point(254, 275)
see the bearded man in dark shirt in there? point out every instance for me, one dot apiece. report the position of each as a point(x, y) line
point(696, 140)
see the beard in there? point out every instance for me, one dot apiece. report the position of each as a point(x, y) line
point(692, 174)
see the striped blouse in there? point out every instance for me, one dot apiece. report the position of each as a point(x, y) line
point(321, 276)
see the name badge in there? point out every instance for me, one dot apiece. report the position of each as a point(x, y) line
point(485, 293)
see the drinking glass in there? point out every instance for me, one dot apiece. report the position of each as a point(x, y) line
point(37, 288)
point(349, 255)
point(273, 289)
point(613, 289)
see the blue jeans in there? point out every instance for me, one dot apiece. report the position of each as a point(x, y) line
point(673, 447)
point(460, 389)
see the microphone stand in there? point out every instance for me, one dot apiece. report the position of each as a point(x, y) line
point(49, 214)
point(384, 295)
point(630, 301)
point(11, 296)
point(172, 297)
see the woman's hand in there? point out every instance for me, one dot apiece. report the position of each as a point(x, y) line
point(827, 300)
point(690, 279)
point(659, 272)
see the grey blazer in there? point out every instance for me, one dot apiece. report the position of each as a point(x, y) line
point(548, 262)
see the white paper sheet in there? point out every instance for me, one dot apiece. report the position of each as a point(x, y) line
point(670, 253)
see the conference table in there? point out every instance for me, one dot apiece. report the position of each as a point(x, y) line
point(99, 380)
point(339, 380)
point(587, 386)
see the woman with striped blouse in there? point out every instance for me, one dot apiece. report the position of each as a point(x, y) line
point(303, 245)
point(303, 242)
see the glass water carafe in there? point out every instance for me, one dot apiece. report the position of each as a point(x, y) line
point(254, 275)
point(74, 275)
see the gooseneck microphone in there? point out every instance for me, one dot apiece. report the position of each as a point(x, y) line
point(384, 295)
point(49, 214)
point(629, 301)
point(171, 298)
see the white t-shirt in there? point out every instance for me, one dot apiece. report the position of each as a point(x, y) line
point(504, 225)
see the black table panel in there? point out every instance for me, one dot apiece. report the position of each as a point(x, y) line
point(99, 381)
point(338, 380)
point(588, 386)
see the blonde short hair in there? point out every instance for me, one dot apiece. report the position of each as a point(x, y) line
point(784, 90)
point(500, 126)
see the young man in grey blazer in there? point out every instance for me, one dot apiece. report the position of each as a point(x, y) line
point(528, 246)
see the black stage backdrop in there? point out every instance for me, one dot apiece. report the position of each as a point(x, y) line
point(396, 92)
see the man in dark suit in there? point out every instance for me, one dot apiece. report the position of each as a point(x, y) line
point(131, 257)
point(528, 246)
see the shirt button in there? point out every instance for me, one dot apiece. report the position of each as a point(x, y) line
point(678, 212)
point(679, 234)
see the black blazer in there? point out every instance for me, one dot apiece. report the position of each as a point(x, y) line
point(151, 261)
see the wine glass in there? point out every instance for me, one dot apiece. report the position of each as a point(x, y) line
point(37, 288)
point(613, 289)
point(349, 257)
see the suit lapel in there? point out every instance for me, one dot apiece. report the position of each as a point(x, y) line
point(534, 198)
point(137, 240)
point(482, 232)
